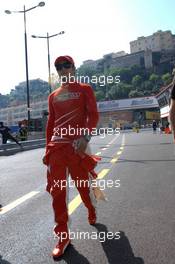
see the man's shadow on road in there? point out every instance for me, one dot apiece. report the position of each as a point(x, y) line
point(72, 256)
point(118, 251)
point(3, 261)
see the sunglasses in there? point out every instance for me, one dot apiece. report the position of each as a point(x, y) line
point(66, 65)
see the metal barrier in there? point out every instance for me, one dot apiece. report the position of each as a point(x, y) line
point(12, 148)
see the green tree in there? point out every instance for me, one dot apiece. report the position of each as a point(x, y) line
point(154, 78)
point(86, 71)
point(135, 93)
point(166, 78)
point(147, 85)
point(119, 91)
point(136, 70)
point(100, 95)
point(137, 81)
point(125, 75)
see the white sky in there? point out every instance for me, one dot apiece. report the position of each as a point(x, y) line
point(93, 28)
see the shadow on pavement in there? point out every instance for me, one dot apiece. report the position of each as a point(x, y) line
point(148, 144)
point(145, 160)
point(3, 261)
point(72, 256)
point(104, 144)
point(118, 251)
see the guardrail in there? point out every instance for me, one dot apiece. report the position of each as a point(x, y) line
point(12, 148)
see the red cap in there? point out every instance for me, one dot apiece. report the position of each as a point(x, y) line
point(63, 58)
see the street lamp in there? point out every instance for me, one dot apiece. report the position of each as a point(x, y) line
point(24, 11)
point(48, 50)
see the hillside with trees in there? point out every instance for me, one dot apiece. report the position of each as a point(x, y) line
point(134, 82)
point(39, 90)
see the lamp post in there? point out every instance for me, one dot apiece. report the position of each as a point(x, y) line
point(24, 11)
point(48, 52)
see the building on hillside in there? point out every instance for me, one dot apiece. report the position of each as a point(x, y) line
point(122, 60)
point(119, 54)
point(161, 61)
point(158, 41)
point(92, 63)
point(156, 51)
point(129, 60)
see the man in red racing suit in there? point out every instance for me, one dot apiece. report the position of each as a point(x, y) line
point(72, 116)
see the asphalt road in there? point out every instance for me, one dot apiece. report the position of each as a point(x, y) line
point(139, 214)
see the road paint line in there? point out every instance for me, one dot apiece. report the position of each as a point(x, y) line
point(123, 140)
point(73, 205)
point(17, 202)
point(103, 173)
point(114, 160)
point(113, 139)
point(98, 153)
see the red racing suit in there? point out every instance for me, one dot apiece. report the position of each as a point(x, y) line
point(72, 107)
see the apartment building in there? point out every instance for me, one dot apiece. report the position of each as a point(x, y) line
point(158, 41)
point(13, 115)
point(122, 111)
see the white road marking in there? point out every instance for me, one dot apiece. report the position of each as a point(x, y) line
point(98, 153)
point(114, 160)
point(26, 197)
point(123, 140)
point(113, 139)
point(17, 202)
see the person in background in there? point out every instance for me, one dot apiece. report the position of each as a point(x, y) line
point(5, 132)
point(22, 132)
point(154, 126)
